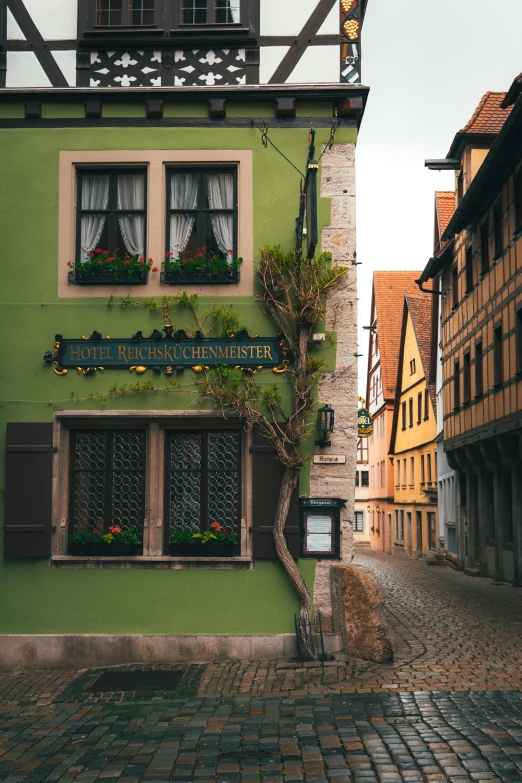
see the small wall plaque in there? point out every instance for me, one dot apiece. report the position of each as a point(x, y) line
point(329, 459)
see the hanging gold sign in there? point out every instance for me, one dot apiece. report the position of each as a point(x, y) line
point(364, 423)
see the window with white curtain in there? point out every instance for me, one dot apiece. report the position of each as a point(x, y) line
point(202, 211)
point(112, 211)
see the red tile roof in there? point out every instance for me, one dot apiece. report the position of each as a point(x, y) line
point(389, 288)
point(488, 117)
point(420, 307)
point(445, 204)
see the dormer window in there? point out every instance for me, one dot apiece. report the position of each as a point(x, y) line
point(211, 12)
point(125, 13)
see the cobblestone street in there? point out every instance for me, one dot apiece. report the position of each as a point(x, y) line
point(449, 708)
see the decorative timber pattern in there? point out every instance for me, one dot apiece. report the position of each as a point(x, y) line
point(122, 69)
point(209, 66)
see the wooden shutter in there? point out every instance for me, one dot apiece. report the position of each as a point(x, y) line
point(28, 490)
point(267, 472)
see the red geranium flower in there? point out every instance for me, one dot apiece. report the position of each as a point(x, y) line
point(126, 263)
point(91, 255)
point(100, 263)
point(69, 263)
point(99, 250)
point(154, 268)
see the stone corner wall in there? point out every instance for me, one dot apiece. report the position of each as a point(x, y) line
point(339, 388)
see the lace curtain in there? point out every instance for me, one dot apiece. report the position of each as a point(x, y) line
point(131, 195)
point(95, 195)
point(221, 196)
point(183, 195)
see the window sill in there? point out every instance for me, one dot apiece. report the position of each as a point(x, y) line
point(144, 561)
point(398, 543)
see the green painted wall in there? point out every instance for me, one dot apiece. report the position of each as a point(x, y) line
point(36, 598)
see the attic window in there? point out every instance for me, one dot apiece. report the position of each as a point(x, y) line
point(412, 367)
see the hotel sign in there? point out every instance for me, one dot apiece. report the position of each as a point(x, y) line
point(169, 352)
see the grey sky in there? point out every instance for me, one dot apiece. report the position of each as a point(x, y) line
point(427, 64)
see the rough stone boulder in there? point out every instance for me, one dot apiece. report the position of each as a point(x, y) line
point(358, 613)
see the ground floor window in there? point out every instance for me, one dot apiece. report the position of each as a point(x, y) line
point(358, 523)
point(108, 481)
point(203, 482)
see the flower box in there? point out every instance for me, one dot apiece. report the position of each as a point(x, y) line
point(173, 277)
point(106, 277)
point(103, 548)
point(204, 550)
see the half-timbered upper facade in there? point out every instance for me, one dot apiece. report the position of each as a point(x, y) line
point(179, 43)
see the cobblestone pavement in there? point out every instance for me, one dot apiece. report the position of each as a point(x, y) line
point(447, 709)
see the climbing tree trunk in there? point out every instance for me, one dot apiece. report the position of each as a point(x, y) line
point(288, 484)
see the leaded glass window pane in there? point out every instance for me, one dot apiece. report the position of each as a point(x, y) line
point(108, 483)
point(204, 480)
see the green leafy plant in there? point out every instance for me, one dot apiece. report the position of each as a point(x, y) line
point(202, 261)
point(116, 264)
point(92, 533)
point(217, 534)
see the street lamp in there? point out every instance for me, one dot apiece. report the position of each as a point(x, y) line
point(325, 425)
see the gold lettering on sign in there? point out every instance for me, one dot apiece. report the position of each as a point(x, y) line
point(268, 353)
point(122, 353)
point(75, 353)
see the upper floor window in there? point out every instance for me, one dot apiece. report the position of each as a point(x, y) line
point(497, 226)
point(479, 382)
point(518, 339)
point(364, 478)
point(125, 13)
point(455, 285)
point(410, 410)
point(412, 367)
point(403, 415)
point(419, 407)
point(469, 268)
point(456, 387)
point(484, 247)
point(111, 211)
point(426, 403)
point(518, 202)
point(467, 377)
point(210, 12)
point(498, 355)
point(202, 212)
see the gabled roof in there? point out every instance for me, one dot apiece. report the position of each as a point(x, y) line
point(486, 121)
point(387, 304)
point(489, 116)
point(419, 307)
point(445, 206)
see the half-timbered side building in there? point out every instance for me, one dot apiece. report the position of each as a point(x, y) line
point(481, 329)
point(150, 149)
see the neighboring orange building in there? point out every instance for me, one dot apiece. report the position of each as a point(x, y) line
point(383, 360)
point(481, 334)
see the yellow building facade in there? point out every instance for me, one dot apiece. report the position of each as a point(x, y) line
point(413, 449)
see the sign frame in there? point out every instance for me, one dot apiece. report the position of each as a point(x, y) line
point(324, 508)
point(364, 423)
point(166, 351)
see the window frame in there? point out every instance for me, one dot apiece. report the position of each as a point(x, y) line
point(517, 201)
point(469, 268)
point(358, 516)
point(419, 407)
point(479, 369)
point(365, 478)
point(484, 247)
point(205, 472)
point(498, 229)
point(456, 385)
point(108, 471)
point(403, 414)
point(426, 404)
point(518, 339)
point(88, 18)
point(466, 370)
point(178, 8)
point(410, 411)
point(203, 171)
point(455, 286)
point(112, 211)
point(498, 355)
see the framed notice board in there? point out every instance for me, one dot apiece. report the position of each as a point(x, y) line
point(320, 527)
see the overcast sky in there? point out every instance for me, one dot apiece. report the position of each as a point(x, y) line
point(427, 64)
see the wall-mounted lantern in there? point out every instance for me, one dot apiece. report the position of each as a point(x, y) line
point(368, 509)
point(325, 425)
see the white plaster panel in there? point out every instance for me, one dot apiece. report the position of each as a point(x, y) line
point(67, 64)
point(331, 25)
point(269, 59)
point(13, 30)
point(55, 19)
point(318, 64)
point(284, 18)
point(24, 70)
